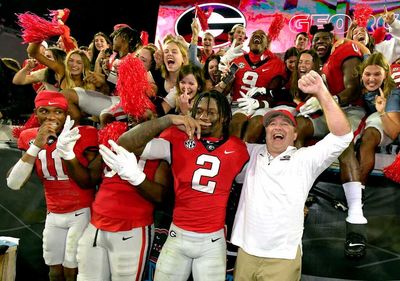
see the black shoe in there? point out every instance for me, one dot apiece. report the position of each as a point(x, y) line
point(355, 246)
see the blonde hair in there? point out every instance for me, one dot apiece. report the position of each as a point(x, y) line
point(69, 82)
point(182, 48)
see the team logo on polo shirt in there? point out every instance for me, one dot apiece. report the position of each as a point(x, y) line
point(190, 144)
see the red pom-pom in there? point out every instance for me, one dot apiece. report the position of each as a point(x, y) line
point(393, 170)
point(362, 12)
point(276, 26)
point(379, 34)
point(32, 122)
point(133, 87)
point(36, 29)
point(203, 17)
point(112, 131)
point(144, 36)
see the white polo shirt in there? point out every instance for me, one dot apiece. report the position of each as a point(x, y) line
point(269, 220)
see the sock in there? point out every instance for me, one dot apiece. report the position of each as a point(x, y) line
point(353, 192)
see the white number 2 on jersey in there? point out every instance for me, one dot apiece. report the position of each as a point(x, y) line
point(209, 172)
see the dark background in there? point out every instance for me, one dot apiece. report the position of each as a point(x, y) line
point(86, 18)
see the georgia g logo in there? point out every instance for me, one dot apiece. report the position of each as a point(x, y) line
point(221, 21)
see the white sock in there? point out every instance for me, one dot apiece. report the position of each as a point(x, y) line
point(353, 192)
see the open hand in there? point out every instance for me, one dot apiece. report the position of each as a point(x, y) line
point(124, 163)
point(67, 140)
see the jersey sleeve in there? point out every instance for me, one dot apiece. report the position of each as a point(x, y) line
point(87, 142)
point(157, 149)
point(26, 138)
point(160, 148)
point(346, 51)
point(240, 177)
point(22, 142)
point(89, 137)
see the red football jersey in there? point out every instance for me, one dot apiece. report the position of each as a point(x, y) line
point(63, 195)
point(118, 206)
point(260, 74)
point(333, 67)
point(395, 71)
point(202, 179)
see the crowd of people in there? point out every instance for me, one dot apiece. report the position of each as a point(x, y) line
point(270, 122)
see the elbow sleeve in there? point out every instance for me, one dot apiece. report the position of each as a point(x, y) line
point(19, 174)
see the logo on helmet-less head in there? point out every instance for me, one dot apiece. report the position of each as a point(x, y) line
point(221, 21)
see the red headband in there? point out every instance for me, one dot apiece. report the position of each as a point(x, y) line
point(51, 98)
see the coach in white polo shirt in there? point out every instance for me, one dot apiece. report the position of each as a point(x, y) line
point(269, 221)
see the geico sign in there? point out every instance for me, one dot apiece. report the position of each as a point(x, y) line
point(221, 21)
point(341, 22)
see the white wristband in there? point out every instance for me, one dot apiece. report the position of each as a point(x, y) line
point(66, 155)
point(138, 179)
point(33, 150)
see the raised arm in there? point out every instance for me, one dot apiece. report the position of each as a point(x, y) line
point(34, 52)
point(351, 82)
point(135, 139)
point(23, 77)
point(392, 22)
point(337, 122)
point(194, 43)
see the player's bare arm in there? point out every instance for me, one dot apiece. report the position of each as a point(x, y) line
point(157, 189)
point(125, 164)
point(82, 175)
point(65, 149)
point(351, 91)
point(135, 139)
